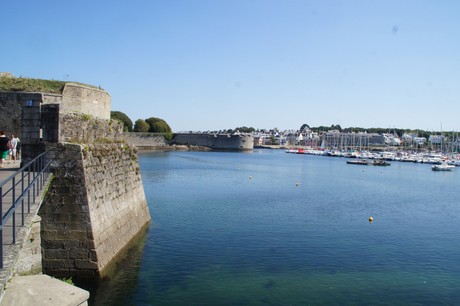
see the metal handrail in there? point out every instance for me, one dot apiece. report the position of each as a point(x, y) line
point(22, 187)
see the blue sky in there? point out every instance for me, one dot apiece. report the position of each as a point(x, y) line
point(211, 65)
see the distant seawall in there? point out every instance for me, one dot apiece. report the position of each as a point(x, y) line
point(213, 141)
point(145, 141)
point(216, 141)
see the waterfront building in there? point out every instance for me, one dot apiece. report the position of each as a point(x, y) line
point(413, 139)
point(436, 139)
point(344, 141)
point(391, 139)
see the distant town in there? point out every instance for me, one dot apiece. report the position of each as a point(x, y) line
point(335, 137)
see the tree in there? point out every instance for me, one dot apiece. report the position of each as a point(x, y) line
point(160, 127)
point(124, 119)
point(336, 127)
point(141, 126)
point(157, 125)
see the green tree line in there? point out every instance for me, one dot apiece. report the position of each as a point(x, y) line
point(151, 125)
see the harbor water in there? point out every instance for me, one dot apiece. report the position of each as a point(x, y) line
point(269, 228)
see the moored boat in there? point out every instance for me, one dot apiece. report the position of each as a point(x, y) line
point(443, 167)
point(362, 162)
point(380, 162)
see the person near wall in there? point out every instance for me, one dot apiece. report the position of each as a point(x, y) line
point(13, 147)
point(18, 149)
point(4, 147)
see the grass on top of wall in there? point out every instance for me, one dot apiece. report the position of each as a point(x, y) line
point(33, 85)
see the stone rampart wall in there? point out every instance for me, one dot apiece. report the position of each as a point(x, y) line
point(144, 139)
point(117, 203)
point(217, 141)
point(81, 128)
point(11, 104)
point(78, 98)
point(94, 207)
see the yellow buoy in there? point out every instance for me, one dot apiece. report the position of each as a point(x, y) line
point(371, 219)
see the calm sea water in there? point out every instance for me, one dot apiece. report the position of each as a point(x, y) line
point(270, 228)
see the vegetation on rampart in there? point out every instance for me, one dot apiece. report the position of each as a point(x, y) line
point(10, 83)
point(151, 125)
point(31, 85)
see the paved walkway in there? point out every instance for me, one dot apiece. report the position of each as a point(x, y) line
point(38, 290)
point(10, 249)
point(9, 168)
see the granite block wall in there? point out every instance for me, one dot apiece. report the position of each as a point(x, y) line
point(218, 142)
point(94, 207)
point(11, 110)
point(82, 128)
point(79, 98)
point(144, 139)
point(10, 113)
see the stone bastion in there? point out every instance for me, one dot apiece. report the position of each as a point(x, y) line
point(95, 204)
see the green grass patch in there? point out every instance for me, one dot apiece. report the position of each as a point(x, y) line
point(34, 85)
point(68, 280)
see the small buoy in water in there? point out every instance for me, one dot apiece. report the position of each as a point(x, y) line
point(381, 171)
point(364, 170)
point(371, 219)
point(250, 177)
point(297, 184)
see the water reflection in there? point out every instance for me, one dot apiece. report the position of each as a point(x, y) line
point(120, 278)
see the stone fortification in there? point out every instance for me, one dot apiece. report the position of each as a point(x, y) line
point(11, 105)
point(78, 98)
point(96, 203)
point(75, 98)
point(94, 207)
point(145, 140)
point(216, 141)
point(87, 129)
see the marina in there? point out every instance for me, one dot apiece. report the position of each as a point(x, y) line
point(434, 158)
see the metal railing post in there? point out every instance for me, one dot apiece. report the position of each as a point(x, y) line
point(14, 211)
point(17, 193)
point(40, 168)
point(33, 182)
point(28, 190)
